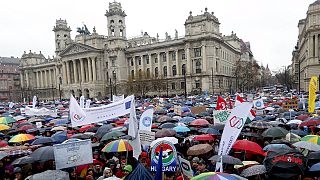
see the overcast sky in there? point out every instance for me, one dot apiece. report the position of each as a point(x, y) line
point(269, 25)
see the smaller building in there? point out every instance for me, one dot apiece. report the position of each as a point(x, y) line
point(9, 79)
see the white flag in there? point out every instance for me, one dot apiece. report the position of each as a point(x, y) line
point(34, 101)
point(258, 104)
point(76, 113)
point(82, 101)
point(88, 101)
point(146, 120)
point(11, 104)
point(133, 130)
point(233, 127)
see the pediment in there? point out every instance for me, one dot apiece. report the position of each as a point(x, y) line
point(77, 48)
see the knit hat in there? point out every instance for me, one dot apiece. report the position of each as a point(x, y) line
point(128, 168)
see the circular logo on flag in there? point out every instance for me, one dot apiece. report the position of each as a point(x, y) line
point(168, 153)
point(146, 121)
point(258, 104)
point(77, 117)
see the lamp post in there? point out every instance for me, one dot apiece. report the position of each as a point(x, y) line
point(110, 84)
point(52, 92)
point(212, 81)
point(185, 83)
point(59, 92)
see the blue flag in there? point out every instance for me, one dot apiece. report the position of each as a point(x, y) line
point(159, 166)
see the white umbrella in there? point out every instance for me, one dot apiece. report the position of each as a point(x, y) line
point(269, 108)
point(173, 140)
point(294, 121)
point(51, 175)
point(307, 145)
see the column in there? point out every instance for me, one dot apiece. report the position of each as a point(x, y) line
point(316, 46)
point(21, 79)
point(27, 78)
point(75, 75)
point(188, 69)
point(82, 71)
point(50, 78)
point(204, 58)
point(68, 72)
point(168, 65)
point(64, 71)
point(37, 79)
point(160, 68)
point(94, 69)
point(41, 79)
point(134, 67)
point(178, 63)
point(90, 69)
point(151, 66)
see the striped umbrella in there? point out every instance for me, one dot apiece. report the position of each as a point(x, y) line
point(215, 176)
point(7, 120)
point(21, 138)
point(311, 138)
point(117, 146)
point(4, 127)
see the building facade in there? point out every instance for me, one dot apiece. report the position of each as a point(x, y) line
point(305, 57)
point(95, 65)
point(9, 79)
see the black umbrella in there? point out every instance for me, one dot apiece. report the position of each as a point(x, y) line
point(314, 155)
point(103, 130)
point(275, 132)
point(167, 125)
point(43, 154)
point(23, 160)
point(42, 140)
point(3, 154)
point(226, 159)
point(82, 136)
point(140, 172)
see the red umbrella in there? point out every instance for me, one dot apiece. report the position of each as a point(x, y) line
point(26, 127)
point(86, 127)
point(203, 137)
point(154, 126)
point(311, 122)
point(245, 145)
point(302, 117)
point(199, 122)
point(3, 144)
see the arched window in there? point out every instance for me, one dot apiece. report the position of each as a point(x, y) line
point(174, 70)
point(140, 74)
point(132, 74)
point(198, 67)
point(217, 66)
point(148, 72)
point(111, 21)
point(131, 62)
point(112, 32)
point(183, 68)
point(156, 72)
point(165, 73)
point(114, 75)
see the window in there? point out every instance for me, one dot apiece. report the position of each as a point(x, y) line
point(132, 74)
point(165, 73)
point(198, 66)
point(156, 72)
point(173, 56)
point(111, 21)
point(113, 61)
point(148, 72)
point(197, 52)
point(217, 66)
point(132, 62)
point(112, 32)
point(164, 57)
point(183, 68)
point(182, 85)
point(120, 21)
point(121, 32)
point(217, 52)
point(155, 60)
point(173, 85)
point(147, 59)
point(140, 74)
point(139, 61)
point(174, 70)
point(58, 35)
point(65, 35)
point(197, 84)
point(183, 55)
point(114, 75)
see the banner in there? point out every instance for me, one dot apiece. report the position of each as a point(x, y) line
point(312, 94)
point(80, 117)
point(221, 104)
point(146, 120)
point(73, 154)
point(185, 166)
point(233, 127)
point(169, 155)
point(39, 112)
point(258, 103)
point(220, 116)
point(34, 101)
point(82, 101)
point(252, 114)
point(88, 101)
point(146, 137)
point(117, 98)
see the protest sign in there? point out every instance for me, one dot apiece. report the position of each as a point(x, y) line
point(146, 137)
point(169, 163)
point(185, 167)
point(220, 116)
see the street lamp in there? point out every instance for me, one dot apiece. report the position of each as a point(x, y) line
point(212, 81)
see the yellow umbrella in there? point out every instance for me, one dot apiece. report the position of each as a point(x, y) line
point(4, 127)
point(245, 163)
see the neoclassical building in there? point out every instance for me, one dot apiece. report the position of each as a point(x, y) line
point(96, 65)
point(305, 57)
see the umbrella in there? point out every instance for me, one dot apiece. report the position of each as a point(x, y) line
point(59, 128)
point(3, 154)
point(165, 132)
point(117, 146)
point(246, 163)
point(291, 137)
point(310, 122)
point(214, 176)
point(164, 119)
point(314, 155)
point(275, 147)
point(51, 175)
point(86, 127)
point(302, 117)
point(3, 143)
point(173, 140)
point(112, 135)
point(312, 138)
point(251, 134)
point(61, 121)
point(187, 120)
point(4, 127)
point(294, 121)
point(307, 145)
point(199, 122)
point(210, 131)
point(275, 132)
point(299, 132)
point(103, 130)
point(42, 140)
point(7, 120)
point(23, 160)
point(218, 126)
point(82, 136)
point(315, 167)
point(226, 159)
point(199, 149)
point(254, 170)
point(139, 172)
point(249, 146)
point(260, 125)
point(160, 111)
point(26, 127)
point(167, 125)
point(180, 129)
point(203, 137)
point(72, 140)
point(257, 118)
point(43, 154)
point(59, 136)
point(21, 138)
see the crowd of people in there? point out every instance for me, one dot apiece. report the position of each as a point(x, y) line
point(278, 143)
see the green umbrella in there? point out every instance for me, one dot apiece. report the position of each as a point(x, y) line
point(275, 132)
point(112, 135)
point(7, 120)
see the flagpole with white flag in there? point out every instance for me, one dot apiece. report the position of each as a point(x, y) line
point(82, 101)
point(75, 111)
point(34, 101)
point(133, 130)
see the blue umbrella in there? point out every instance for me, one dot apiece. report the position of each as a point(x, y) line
point(299, 132)
point(59, 137)
point(185, 109)
point(257, 118)
point(61, 122)
point(210, 131)
point(186, 119)
point(315, 167)
point(181, 129)
point(42, 140)
point(275, 147)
